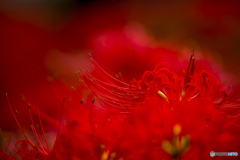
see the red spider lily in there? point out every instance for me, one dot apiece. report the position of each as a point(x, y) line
point(146, 111)
point(161, 116)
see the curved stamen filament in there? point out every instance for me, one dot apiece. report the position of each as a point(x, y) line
point(28, 140)
point(48, 150)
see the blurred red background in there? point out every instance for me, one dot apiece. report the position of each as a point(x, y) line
point(52, 39)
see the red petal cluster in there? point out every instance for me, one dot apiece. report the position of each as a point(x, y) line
point(161, 116)
point(138, 119)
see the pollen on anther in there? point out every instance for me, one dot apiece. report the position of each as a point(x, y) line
point(161, 94)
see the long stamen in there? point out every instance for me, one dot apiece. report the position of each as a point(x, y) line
point(191, 69)
point(39, 115)
point(6, 147)
point(102, 71)
point(35, 132)
point(67, 109)
point(115, 99)
point(40, 138)
point(231, 80)
point(5, 141)
point(30, 142)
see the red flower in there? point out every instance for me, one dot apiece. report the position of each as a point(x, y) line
point(196, 107)
point(161, 116)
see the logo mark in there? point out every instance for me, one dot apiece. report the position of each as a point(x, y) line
point(212, 154)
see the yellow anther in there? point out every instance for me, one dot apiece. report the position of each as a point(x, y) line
point(177, 129)
point(177, 148)
point(113, 155)
point(102, 147)
point(161, 94)
point(167, 146)
point(104, 155)
point(182, 95)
